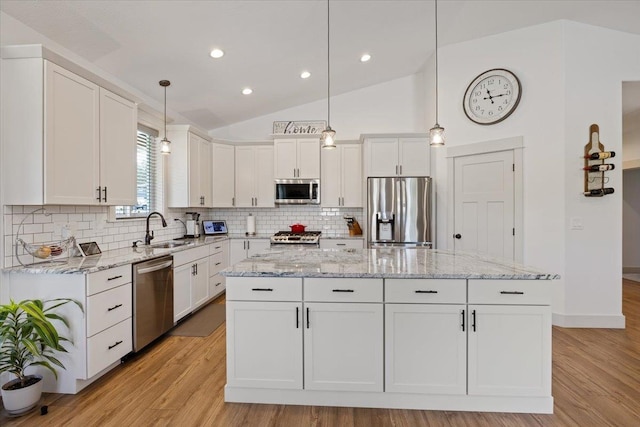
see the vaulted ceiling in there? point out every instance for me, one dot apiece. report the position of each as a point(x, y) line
point(268, 44)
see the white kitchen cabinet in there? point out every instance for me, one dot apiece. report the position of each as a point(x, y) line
point(397, 156)
point(254, 186)
point(218, 261)
point(100, 334)
point(190, 280)
point(509, 338)
point(189, 169)
point(70, 131)
point(240, 249)
point(426, 348)
point(341, 176)
point(264, 344)
point(223, 172)
point(341, 243)
point(297, 158)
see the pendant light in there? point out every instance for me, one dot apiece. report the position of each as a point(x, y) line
point(436, 133)
point(165, 147)
point(328, 135)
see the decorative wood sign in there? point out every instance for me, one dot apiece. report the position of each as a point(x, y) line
point(303, 128)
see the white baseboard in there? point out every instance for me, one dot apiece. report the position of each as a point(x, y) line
point(588, 321)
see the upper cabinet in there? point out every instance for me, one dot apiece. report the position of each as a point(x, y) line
point(254, 176)
point(189, 169)
point(397, 156)
point(66, 140)
point(342, 176)
point(223, 173)
point(297, 158)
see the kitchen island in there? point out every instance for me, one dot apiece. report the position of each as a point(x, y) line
point(389, 328)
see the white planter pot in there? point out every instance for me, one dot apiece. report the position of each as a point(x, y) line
point(21, 400)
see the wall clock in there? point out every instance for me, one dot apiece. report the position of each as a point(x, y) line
point(492, 96)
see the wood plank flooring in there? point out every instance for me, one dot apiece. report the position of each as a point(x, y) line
point(180, 380)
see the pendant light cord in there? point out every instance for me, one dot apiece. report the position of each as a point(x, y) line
point(328, 72)
point(165, 113)
point(436, 18)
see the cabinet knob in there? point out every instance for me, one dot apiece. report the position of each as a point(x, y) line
point(458, 236)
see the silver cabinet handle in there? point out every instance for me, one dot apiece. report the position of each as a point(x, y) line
point(512, 292)
point(105, 194)
point(341, 244)
point(400, 169)
point(99, 190)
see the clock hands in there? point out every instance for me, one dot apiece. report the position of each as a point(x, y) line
point(490, 97)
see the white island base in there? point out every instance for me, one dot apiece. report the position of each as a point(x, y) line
point(535, 405)
point(430, 338)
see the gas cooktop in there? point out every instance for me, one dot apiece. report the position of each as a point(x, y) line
point(287, 237)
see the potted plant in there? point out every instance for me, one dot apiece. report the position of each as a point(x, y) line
point(28, 338)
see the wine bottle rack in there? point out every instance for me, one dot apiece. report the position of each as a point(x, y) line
point(595, 181)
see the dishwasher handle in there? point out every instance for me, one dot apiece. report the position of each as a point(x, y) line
point(155, 267)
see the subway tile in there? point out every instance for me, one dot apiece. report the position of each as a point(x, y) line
point(68, 209)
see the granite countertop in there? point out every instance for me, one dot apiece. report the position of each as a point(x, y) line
point(110, 259)
point(381, 263)
point(341, 236)
point(252, 236)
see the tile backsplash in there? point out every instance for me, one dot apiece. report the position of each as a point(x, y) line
point(90, 223)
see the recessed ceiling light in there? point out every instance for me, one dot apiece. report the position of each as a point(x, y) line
point(365, 57)
point(305, 75)
point(247, 91)
point(217, 53)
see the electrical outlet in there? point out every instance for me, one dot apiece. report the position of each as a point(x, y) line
point(576, 223)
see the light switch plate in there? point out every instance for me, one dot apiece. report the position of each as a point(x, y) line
point(576, 223)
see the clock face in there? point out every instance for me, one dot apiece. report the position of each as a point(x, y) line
point(492, 96)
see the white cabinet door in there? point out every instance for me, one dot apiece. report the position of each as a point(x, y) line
point(308, 158)
point(71, 141)
point(255, 246)
point(331, 178)
point(118, 136)
point(194, 170)
point(182, 291)
point(264, 344)
point(245, 176)
point(204, 166)
point(223, 173)
point(343, 347)
point(263, 184)
point(200, 283)
point(352, 180)
point(413, 157)
point(509, 350)
point(237, 250)
point(425, 348)
point(285, 158)
point(382, 156)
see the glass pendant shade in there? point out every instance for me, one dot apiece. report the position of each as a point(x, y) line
point(436, 135)
point(328, 138)
point(165, 146)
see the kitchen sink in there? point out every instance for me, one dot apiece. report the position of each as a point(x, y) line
point(168, 245)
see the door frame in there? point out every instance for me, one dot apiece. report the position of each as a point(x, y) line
point(515, 144)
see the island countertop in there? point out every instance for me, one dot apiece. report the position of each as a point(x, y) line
point(382, 263)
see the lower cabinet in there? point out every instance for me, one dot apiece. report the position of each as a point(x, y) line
point(218, 261)
point(426, 348)
point(354, 243)
point(190, 280)
point(343, 346)
point(264, 344)
point(241, 249)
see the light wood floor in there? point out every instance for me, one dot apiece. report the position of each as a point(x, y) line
point(179, 382)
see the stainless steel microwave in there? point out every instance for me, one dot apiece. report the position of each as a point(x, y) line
point(298, 191)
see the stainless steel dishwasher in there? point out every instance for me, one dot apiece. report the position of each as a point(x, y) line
point(152, 300)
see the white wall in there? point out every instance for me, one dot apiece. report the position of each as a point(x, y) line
point(393, 106)
point(631, 139)
point(557, 64)
point(631, 219)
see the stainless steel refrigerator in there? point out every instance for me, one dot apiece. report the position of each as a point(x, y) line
point(399, 211)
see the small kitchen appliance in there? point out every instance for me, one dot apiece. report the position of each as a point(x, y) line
point(213, 227)
point(305, 238)
point(192, 224)
point(297, 191)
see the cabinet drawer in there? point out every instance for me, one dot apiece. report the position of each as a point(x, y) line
point(108, 347)
point(264, 289)
point(216, 247)
point(217, 262)
point(108, 308)
point(343, 290)
point(341, 243)
point(533, 292)
point(217, 284)
point(190, 255)
point(441, 291)
point(107, 279)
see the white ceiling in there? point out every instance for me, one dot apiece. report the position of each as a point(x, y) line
point(268, 43)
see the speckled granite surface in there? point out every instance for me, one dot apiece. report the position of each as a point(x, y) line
point(109, 259)
point(380, 263)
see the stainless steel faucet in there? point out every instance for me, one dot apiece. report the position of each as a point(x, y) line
point(148, 237)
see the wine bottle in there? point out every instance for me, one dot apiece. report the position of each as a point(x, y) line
point(599, 192)
point(601, 155)
point(600, 168)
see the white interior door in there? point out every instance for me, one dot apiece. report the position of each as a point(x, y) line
point(484, 204)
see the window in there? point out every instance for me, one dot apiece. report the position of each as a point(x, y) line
point(147, 174)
